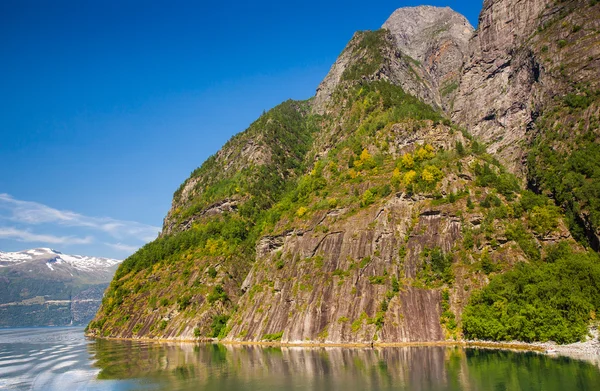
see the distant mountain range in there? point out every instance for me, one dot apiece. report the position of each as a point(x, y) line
point(44, 287)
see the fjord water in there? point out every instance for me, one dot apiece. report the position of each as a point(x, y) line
point(53, 359)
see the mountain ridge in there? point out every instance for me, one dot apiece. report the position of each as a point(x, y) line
point(78, 261)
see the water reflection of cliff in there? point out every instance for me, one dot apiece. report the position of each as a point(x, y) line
point(218, 367)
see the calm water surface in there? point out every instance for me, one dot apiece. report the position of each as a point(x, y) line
point(52, 359)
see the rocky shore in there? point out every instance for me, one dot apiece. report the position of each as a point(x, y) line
point(588, 350)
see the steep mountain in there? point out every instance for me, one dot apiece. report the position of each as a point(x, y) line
point(197, 265)
point(365, 215)
point(43, 287)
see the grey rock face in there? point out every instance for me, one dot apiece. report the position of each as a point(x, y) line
point(495, 97)
point(525, 55)
point(437, 38)
point(331, 81)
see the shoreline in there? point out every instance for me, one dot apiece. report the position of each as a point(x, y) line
point(513, 345)
point(587, 351)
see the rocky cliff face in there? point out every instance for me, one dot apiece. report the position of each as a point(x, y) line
point(364, 215)
point(495, 98)
point(530, 90)
point(510, 74)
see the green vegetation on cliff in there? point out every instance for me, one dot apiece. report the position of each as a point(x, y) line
point(373, 108)
point(369, 45)
point(214, 250)
point(565, 161)
point(552, 300)
point(258, 164)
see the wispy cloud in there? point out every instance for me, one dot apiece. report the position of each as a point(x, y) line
point(33, 213)
point(123, 247)
point(27, 236)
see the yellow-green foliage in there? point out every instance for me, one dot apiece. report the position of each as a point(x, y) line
point(407, 162)
point(301, 211)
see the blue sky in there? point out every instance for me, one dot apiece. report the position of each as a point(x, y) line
point(107, 106)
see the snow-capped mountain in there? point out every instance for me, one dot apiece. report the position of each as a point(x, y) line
point(42, 286)
point(53, 258)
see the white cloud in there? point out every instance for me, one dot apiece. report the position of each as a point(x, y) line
point(123, 247)
point(33, 213)
point(27, 236)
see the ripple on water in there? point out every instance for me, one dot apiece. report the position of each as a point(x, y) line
point(8, 361)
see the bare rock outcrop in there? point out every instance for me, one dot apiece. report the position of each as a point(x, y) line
point(523, 56)
point(329, 289)
point(438, 39)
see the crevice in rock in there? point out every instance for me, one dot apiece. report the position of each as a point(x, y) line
point(314, 252)
point(431, 213)
point(490, 117)
point(498, 70)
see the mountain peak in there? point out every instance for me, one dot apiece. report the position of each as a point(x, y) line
point(418, 30)
point(421, 49)
point(437, 38)
point(41, 251)
point(410, 21)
